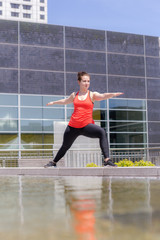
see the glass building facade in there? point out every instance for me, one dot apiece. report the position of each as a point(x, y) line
point(39, 63)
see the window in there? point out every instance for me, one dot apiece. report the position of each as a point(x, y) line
point(8, 100)
point(42, 17)
point(0, 12)
point(127, 123)
point(41, 1)
point(13, 5)
point(8, 112)
point(14, 14)
point(41, 8)
point(0, 4)
point(27, 7)
point(26, 0)
point(9, 125)
point(26, 15)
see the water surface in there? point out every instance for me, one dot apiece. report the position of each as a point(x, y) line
point(79, 208)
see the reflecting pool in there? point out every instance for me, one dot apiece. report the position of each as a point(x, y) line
point(79, 208)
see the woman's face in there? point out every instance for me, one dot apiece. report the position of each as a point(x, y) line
point(84, 83)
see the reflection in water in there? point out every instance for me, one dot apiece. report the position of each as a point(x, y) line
point(84, 219)
point(20, 200)
point(79, 208)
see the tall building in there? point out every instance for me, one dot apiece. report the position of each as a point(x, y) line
point(39, 64)
point(24, 10)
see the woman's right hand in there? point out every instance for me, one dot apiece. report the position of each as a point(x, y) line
point(48, 104)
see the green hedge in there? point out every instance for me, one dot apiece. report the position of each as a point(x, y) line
point(127, 163)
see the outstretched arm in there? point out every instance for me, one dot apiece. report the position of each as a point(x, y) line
point(103, 96)
point(63, 101)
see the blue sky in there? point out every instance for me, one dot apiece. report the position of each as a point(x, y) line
point(130, 16)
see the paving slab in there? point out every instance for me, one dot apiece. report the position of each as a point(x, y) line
point(99, 171)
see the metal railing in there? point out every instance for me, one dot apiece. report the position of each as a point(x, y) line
point(75, 157)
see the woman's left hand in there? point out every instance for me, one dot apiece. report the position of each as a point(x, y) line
point(118, 93)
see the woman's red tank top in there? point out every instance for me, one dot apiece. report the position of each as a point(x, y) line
point(82, 114)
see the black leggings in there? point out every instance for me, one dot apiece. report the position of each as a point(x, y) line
point(91, 130)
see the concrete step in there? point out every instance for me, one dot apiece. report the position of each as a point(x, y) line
point(99, 171)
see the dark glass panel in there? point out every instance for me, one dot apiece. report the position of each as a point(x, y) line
point(153, 145)
point(8, 81)
point(8, 56)
point(119, 138)
point(41, 34)
point(127, 138)
point(116, 145)
point(42, 58)
point(154, 110)
point(80, 38)
point(8, 31)
point(154, 132)
point(137, 127)
point(125, 65)
point(131, 87)
point(91, 62)
point(71, 83)
point(118, 115)
point(127, 127)
point(137, 138)
point(153, 67)
point(152, 46)
point(42, 82)
point(137, 115)
point(103, 124)
point(125, 43)
point(127, 115)
point(127, 146)
point(98, 83)
point(153, 88)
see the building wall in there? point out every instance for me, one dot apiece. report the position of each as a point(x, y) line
point(24, 10)
point(43, 60)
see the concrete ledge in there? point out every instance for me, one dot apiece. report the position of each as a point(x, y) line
point(100, 171)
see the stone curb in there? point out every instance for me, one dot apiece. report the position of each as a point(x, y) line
point(100, 171)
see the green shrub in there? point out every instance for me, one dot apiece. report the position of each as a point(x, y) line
point(143, 163)
point(125, 163)
point(91, 165)
point(129, 163)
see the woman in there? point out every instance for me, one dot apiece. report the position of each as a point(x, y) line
point(81, 122)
